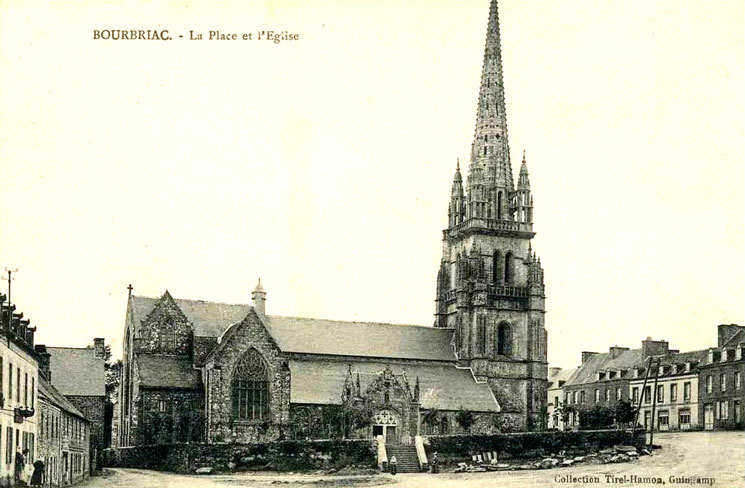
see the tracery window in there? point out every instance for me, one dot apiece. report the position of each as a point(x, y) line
point(250, 387)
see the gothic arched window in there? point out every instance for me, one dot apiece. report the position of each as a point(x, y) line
point(499, 205)
point(508, 269)
point(504, 340)
point(250, 387)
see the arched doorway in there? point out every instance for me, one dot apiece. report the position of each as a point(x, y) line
point(386, 423)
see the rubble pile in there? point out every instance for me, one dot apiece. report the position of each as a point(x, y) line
point(618, 454)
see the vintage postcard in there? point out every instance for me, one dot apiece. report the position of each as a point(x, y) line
point(357, 243)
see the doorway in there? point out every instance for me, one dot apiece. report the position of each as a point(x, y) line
point(390, 434)
point(709, 416)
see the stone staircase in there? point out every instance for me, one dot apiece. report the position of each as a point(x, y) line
point(406, 458)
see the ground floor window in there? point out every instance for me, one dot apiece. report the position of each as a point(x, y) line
point(684, 416)
point(738, 414)
point(723, 410)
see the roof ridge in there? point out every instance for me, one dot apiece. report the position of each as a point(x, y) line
point(357, 322)
point(192, 300)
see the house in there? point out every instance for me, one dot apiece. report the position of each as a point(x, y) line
point(78, 374)
point(720, 381)
point(18, 390)
point(677, 404)
point(557, 378)
point(64, 438)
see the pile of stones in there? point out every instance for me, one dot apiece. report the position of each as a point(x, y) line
point(617, 454)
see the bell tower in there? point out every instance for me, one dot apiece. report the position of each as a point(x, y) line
point(490, 287)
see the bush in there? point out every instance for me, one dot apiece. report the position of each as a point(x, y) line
point(597, 417)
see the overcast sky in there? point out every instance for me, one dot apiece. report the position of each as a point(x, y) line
point(324, 165)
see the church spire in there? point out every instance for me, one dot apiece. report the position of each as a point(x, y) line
point(490, 155)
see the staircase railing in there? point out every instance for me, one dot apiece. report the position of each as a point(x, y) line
point(421, 454)
point(382, 454)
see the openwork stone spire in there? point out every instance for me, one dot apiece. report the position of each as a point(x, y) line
point(490, 156)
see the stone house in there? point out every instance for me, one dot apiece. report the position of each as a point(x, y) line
point(720, 381)
point(79, 374)
point(557, 378)
point(18, 390)
point(64, 438)
point(604, 379)
point(676, 406)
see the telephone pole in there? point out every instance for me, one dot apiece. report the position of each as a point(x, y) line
point(9, 279)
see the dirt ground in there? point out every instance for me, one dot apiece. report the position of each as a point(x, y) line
point(685, 460)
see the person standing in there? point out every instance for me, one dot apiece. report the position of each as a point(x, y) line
point(394, 464)
point(435, 467)
point(18, 471)
point(37, 479)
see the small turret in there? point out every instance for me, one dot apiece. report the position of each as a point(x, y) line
point(457, 210)
point(258, 297)
point(523, 198)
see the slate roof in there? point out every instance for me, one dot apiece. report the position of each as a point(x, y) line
point(316, 336)
point(684, 357)
point(561, 375)
point(54, 397)
point(209, 319)
point(442, 386)
point(630, 358)
point(77, 371)
point(365, 339)
point(167, 372)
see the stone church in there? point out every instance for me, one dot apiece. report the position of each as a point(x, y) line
point(197, 370)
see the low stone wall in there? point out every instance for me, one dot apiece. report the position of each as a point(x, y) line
point(221, 457)
point(531, 444)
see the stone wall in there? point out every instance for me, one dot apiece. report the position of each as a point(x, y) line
point(171, 415)
point(224, 457)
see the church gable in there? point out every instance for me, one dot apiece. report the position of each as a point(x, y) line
point(165, 330)
point(247, 379)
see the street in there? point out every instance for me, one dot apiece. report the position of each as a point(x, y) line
point(686, 456)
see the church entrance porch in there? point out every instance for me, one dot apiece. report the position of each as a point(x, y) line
point(385, 423)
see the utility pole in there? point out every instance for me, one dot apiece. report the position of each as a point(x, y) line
point(9, 279)
point(654, 402)
point(641, 397)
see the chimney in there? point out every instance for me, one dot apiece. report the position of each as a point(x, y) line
point(725, 332)
point(43, 358)
point(587, 355)
point(654, 348)
point(99, 349)
point(616, 351)
point(258, 297)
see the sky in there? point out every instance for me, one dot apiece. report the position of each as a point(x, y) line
point(323, 165)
